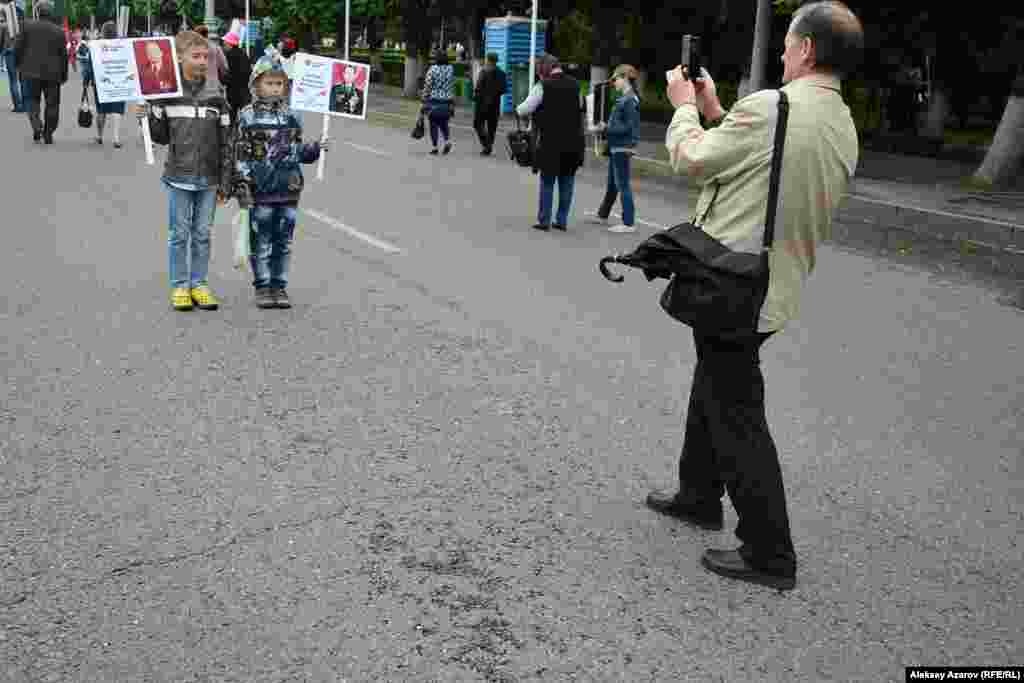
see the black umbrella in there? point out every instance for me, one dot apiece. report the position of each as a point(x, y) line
point(657, 256)
point(675, 251)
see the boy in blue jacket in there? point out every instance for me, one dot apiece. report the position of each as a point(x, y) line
point(269, 152)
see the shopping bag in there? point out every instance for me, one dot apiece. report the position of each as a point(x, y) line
point(420, 129)
point(241, 224)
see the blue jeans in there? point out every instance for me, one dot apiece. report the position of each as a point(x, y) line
point(566, 183)
point(191, 215)
point(618, 181)
point(439, 119)
point(272, 227)
point(13, 80)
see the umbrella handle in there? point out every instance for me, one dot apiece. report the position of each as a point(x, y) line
point(603, 267)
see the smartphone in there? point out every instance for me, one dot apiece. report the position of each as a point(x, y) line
point(691, 56)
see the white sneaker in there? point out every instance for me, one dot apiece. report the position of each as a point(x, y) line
point(622, 228)
point(597, 220)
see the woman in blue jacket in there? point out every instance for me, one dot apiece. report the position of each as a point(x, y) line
point(623, 131)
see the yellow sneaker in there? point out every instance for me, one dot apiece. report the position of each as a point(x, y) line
point(204, 299)
point(180, 299)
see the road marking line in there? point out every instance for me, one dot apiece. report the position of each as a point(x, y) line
point(638, 220)
point(363, 148)
point(369, 239)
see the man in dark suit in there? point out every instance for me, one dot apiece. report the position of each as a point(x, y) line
point(41, 56)
point(490, 88)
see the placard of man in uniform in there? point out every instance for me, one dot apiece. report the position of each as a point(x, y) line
point(347, 96)
point(156, 70)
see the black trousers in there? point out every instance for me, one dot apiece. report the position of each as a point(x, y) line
point(728, 447)
point(37, 90)
point(485, 122)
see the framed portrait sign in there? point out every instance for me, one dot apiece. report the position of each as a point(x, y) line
point(133, 69)
point(330, 86)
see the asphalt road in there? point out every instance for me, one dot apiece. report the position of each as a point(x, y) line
point(433, 467)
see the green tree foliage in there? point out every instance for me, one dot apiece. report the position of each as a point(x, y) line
point(302, 19)
point(573, 38)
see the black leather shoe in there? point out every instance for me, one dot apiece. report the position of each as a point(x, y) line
point(556, 226)
point(541, 226)
point(705, 515)
point(37, 136)
point(732, 564)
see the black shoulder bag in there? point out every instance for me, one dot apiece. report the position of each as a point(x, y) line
point(85, 110)
point(714, 289)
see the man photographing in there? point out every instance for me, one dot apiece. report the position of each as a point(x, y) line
point(727, 444)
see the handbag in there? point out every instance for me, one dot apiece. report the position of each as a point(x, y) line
point(85, 111)
point(520, 146)
point(714, 289)
point(420, 129)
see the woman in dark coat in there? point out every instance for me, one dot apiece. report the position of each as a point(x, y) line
point(115, 110)
point(239, 70)
point(557, 110)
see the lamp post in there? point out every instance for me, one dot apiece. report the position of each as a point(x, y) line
point(533, 45)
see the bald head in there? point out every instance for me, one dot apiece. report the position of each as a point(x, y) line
point(836, 33)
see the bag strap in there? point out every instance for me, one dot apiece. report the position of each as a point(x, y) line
point(711, 204)
point(776, 175)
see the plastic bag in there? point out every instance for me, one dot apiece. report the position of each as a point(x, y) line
point(242, 249)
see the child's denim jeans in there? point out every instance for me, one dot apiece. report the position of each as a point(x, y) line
point(192, 205)
point(272, 229)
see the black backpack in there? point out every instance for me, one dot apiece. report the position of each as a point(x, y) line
point(520, 145)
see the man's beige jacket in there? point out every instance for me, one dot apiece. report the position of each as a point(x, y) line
point(820, 158)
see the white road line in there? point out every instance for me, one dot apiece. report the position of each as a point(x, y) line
point(363, 148)
point(338, 225)
point(638, 220)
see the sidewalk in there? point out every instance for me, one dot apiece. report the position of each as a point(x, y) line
point(895, 201)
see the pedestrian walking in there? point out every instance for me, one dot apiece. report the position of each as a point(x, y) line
point(8, 34)
point(491, 85)
point(623, 131)
point(269, 180)
point(196, 129)
point(727, 444)
point(41, 57)
point(439, 100)
point(557, 110)
point(239, 70)
point(10, 28)
point(114, 111)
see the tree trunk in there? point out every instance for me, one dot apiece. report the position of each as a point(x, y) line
point(759, 55)
point(604, 22)
point(938, 112)
point(412, 75)
point(1005, 157)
